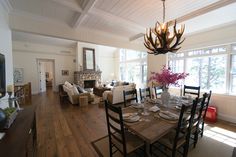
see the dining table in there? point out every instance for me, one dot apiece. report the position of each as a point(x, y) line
point(151, 127)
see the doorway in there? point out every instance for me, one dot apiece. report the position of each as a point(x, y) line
point(46, 74)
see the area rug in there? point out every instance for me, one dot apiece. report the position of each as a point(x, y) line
point(205, 147)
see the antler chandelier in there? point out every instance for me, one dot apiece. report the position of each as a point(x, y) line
point(159, 40)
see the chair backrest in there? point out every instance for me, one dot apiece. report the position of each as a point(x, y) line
point(185, 122)
point(129, 96)
point(206, 104)
point(158, 91)
point(191, 90)
point(145, 91)
point(199, 110)
point(115, 128)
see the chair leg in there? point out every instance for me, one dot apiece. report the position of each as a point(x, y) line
point(185, 154)
point(173, 152)
point(110, 148)
point(202, 129)
point(195, 138)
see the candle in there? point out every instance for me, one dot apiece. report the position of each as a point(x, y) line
point(10, 88)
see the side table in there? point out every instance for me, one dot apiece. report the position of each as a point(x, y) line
point(83, 101)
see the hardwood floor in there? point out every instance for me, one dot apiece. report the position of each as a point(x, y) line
point(67, 130)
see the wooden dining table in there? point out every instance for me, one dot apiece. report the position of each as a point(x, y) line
point(151, 127)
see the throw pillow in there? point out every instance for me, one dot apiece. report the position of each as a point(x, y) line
point(81, 89)
point(68, 84)
point(75, 90)
point(126, 83)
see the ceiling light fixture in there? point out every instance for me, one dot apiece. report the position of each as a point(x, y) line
point(159, 39)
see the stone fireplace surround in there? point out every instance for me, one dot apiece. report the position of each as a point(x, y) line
point(81, 76)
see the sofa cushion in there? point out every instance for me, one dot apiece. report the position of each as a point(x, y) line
point(81, 89)
point(75, 90)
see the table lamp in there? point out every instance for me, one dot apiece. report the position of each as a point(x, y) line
point(10, 89)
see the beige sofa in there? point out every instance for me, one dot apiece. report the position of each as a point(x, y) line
point(74, 95)
point(115, 95)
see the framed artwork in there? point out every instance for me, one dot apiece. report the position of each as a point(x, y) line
point(65, 72)
point(18, 75)
point(88, 59)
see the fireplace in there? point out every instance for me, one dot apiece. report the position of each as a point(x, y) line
point(80, 77)
point(89, 83)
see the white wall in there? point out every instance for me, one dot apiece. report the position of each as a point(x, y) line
point(105, 59)
point(6, 44)
point(224, 103)
point(25, 56)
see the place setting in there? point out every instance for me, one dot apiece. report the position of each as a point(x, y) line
point(131, 117)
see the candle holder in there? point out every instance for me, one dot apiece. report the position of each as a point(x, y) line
point(9, 94)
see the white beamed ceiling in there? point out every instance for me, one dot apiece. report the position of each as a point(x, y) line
point(121, 18)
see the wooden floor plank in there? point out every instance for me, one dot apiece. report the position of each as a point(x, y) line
point(66, 130)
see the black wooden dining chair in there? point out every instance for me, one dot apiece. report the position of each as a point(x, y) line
point(191, 90)
point(198, 118)
point(178, 137)
point(130, 95)
point(120, 139)
point(157, 90)
point(143, 91)
point(204, 111)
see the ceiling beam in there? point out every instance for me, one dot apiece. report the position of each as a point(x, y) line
point(72, 5)
point(80, 17)
point(204, 10)
point(116, 19)
point(6, 5)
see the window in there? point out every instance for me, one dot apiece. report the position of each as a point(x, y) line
point(209, 72)
point(233, 70)
point(207, 68)
point(133, 66)
point(233, 74)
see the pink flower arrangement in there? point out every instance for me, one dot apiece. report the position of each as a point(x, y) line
point(167, 77)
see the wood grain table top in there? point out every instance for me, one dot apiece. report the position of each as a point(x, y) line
point(150, 128)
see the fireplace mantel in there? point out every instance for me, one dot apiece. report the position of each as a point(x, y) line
point(81, 76)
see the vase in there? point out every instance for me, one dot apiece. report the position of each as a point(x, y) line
point(165, 97)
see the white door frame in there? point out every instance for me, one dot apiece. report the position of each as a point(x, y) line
point(53, 68)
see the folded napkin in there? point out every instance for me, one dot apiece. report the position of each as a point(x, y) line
point(154, 109)
point(129, 115)
point(170, 114)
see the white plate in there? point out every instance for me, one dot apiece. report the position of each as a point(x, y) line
point(132, 119)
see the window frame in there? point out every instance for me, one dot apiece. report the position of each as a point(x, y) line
point(229, 52)
point(142, 61)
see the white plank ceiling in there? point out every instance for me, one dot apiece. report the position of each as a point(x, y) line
point(126, 18)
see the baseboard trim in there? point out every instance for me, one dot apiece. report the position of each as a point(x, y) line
point(226, 118)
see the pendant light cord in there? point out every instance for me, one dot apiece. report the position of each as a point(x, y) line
point(164, 10)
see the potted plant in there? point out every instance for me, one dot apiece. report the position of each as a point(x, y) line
point(11, 113)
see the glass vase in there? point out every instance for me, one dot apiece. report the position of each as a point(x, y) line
point(165, 97)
